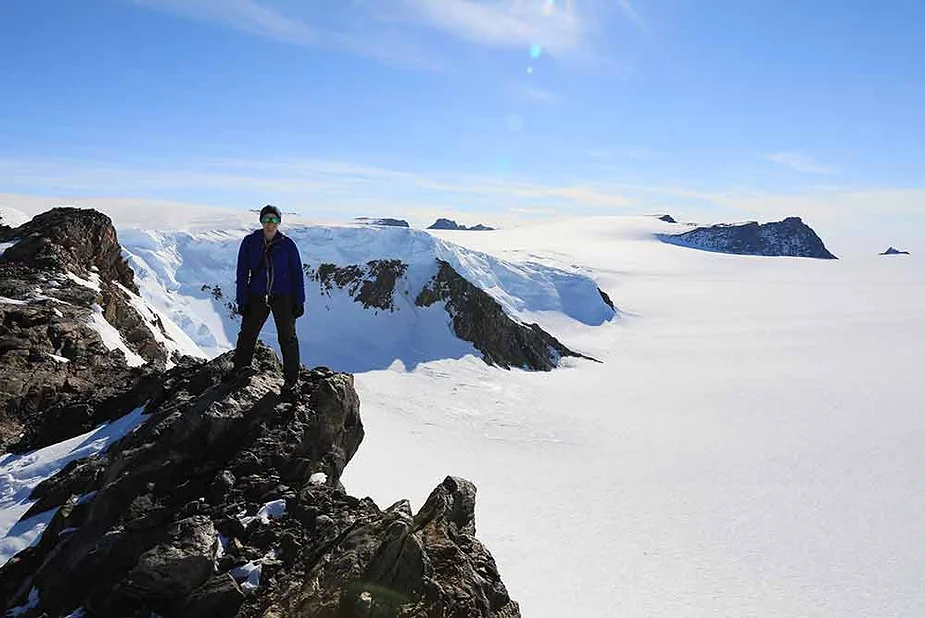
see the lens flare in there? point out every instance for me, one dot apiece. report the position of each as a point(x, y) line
point(536, 51)
point(529, 70)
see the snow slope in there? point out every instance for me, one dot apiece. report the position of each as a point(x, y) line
point(189, 277)
point(12, 217)
point(20, 474)
point(750, 446)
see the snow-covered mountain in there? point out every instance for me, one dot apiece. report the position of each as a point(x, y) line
point(189, 276)
point(749, 444)
point(75, 331)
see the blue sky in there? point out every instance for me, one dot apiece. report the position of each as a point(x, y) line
point(704, 108)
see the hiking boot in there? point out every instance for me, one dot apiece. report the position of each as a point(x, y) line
point(290, 390)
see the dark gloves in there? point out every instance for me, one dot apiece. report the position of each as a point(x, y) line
point(299, 311)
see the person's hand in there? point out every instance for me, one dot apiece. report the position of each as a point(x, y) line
point(299, 311)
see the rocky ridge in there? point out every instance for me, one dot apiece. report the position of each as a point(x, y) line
point(63, 284)
point(385, 221)
point(790, 237)
point(474, 315)
point(449, 224)
point(226, 501)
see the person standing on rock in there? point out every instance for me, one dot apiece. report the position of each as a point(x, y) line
point(269, 279)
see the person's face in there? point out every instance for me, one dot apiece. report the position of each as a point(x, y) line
point(270, 224)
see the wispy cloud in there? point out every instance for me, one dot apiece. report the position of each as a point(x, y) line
point(390, 31)
point(536, 94)
point(342, 190)
point(298, 181)
point(258, 19)
point(556, 27)
point(627, 7)
point(798, 161)
point(246, 15)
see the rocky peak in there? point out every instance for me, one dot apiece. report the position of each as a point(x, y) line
point(479, 319)
point(372, 284)
point(894, 251)
point(790, 237)
point(73, 337)
point(449, 224)
point(472, 313)
point(226, 501)
point(74, 239)
point(384, 221)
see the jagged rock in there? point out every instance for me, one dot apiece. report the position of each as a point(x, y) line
point(56, 375)
point(475, 316)
point(372, 285)
point(81, 239)
point(386, 221)
point(172, 569)
point(479, 319)
point(790, 237)
point(667, 219)
point(449, 224)
point(892, 251)
point(227, 502)
point(220, 597)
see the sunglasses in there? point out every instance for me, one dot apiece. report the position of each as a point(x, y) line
point(269, 219)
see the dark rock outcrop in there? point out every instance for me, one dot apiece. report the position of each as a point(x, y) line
point(667, 219)
point(386, 221)
point(226, 501)
point(64, 272)
point(475, 316)
point(82, 240)
point(790, 237)
point(892, 251)
point(449, 224)
point(479, 319)
point(372, 285)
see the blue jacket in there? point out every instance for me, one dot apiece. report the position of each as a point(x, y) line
point(274, 268)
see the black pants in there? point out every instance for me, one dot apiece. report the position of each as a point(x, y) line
point(283, 308)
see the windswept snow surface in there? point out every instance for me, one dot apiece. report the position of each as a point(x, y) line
point(172, 269)
point(750, 446)
point(12, 217)
point(19, 475)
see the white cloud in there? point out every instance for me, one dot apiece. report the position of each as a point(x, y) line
point(388, 30)
point(296, 181)
point(505, 23)
point(342, 190)
point(246, 15)
point(258, 19)
point(798, 161)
